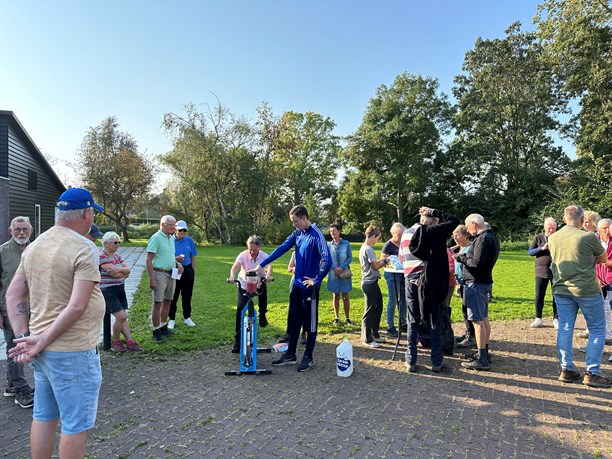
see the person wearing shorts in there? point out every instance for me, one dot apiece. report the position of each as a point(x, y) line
point(478, 263)
point(113, 272)
point(56, 308)
point(160, 262)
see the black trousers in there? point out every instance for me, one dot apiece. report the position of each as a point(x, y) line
point(242, 302)
point(184, 288)
point(541, 284)
point(303, 310)
point(370, 321)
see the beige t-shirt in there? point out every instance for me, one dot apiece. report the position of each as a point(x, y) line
point(51, 264)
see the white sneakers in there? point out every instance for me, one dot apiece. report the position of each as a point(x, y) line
point(537, 323)
point(372, 344)
point(188, 322)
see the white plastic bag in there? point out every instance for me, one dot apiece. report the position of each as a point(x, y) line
point(344, 359)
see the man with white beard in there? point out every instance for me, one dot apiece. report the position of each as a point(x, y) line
point(10, 256)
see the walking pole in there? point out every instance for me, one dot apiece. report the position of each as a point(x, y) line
point(396, 286)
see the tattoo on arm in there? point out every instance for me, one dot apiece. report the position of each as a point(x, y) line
point(22, 308)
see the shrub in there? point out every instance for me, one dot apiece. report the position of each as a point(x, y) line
point(513, 246)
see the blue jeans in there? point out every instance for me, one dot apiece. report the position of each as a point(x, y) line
point(414, 323)
point(592, 309)
point(395, 281)
point(67, 387)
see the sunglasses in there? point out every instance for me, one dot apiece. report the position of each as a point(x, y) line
point(182, 230)
point(116, 242)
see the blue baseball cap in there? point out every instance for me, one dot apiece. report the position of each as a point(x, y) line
point(77, 198)
point(95, 231)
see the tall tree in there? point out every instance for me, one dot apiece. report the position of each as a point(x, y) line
point(300, 159)
point(506, 105)
point(577, 39)
point(401, 134)
point(306, 156)
point(115, 172)
point(214, 167)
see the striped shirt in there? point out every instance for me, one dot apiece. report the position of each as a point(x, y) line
point(412, 264)
point(105, 279)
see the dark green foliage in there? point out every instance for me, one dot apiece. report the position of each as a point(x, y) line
point(505, 117)
point(576, 36)
point(396, 152)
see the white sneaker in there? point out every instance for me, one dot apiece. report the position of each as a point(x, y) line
point(171, 324)
point(537, 323)
point(372, 344)
point(380, 339)
point(556, 324)
point(189, 322)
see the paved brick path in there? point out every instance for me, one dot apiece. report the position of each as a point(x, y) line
point(185, 407)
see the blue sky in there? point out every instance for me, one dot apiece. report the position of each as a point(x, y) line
point(66, 65)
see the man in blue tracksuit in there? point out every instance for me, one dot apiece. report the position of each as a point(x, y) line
point(312, 263)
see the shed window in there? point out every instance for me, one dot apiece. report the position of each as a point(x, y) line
point(32, 180)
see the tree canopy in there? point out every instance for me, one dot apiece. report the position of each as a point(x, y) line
point(392, 153)
point(493, 149)
point(505, 116)
point(115, 172)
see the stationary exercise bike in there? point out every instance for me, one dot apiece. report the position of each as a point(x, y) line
point(248, 330)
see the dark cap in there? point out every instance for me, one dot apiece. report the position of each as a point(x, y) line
point(95, 232)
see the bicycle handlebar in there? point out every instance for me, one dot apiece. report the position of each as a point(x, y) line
point(262, 279)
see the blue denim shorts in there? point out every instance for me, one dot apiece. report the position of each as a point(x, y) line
point(477, 300)
point(67, 387)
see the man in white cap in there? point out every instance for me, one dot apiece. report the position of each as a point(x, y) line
point(185, 251)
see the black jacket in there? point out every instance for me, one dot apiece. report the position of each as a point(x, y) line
point(480, 259)
point(429, 245)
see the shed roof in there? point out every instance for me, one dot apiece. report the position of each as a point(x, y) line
point(45, 164)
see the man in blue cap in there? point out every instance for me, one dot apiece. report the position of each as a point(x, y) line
point(56, 308)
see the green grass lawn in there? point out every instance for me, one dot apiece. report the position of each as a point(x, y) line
point(214, 301)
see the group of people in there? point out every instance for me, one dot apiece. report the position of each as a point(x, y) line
point(430, 272)
point(171, 264)
point(55, 291)
point(431, 267)
point(577, 260)
point(422, 283)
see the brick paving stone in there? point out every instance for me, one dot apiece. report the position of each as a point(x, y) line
point(185, 407)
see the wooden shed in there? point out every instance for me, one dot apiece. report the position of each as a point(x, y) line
point(28, 184)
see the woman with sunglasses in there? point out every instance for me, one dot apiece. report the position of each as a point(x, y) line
point(185, 252)
point(113, 271)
